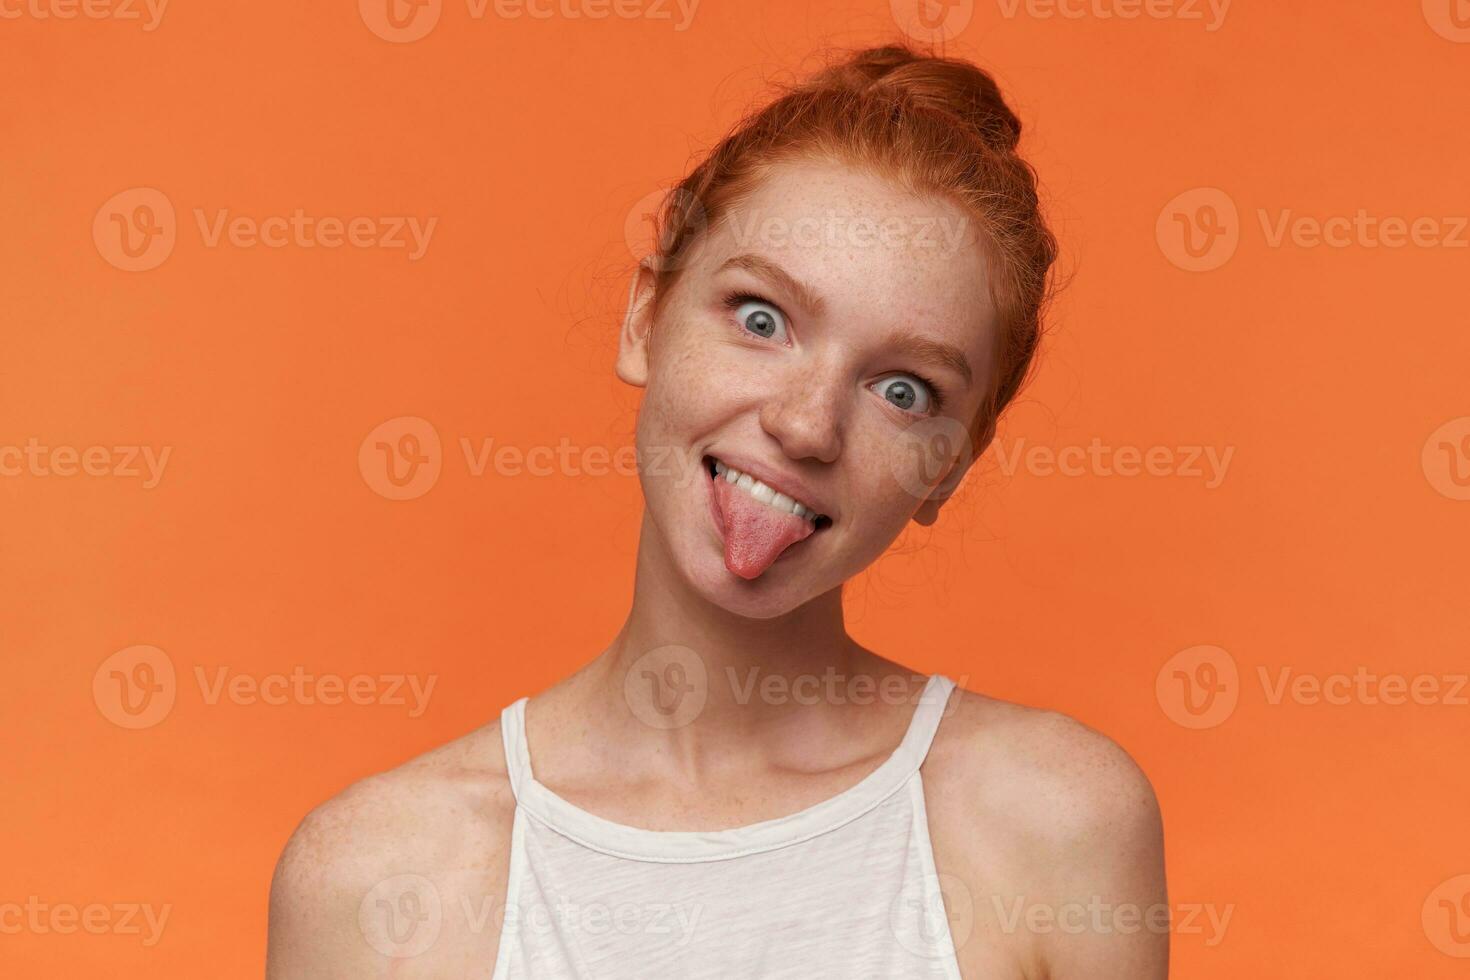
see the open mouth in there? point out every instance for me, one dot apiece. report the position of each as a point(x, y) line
point(758, 524)
point(764, 494)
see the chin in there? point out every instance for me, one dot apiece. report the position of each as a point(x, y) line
point(774, 593)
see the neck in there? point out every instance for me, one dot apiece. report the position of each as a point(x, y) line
point(668, 612)
point(693, 674)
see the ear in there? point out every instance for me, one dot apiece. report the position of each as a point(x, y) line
point(633, 338)
point(928, 511)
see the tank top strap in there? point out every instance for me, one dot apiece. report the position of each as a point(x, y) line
point(517, 753)
point(932, 707)
point(678, 846)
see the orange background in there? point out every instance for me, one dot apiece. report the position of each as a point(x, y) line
point(1328, 546)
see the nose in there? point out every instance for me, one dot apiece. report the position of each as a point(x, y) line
point(805, 414)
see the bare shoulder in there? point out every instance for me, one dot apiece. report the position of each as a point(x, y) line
point(368, 874)
point(1044, 820)
point(1050, 776)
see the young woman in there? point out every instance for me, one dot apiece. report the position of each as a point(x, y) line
point(734, 787)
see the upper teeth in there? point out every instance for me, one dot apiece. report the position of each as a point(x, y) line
point(763, 493)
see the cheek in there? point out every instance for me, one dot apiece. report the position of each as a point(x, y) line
point(694, 379)
point(681, 405)
point(682, 389)
point(879, 486)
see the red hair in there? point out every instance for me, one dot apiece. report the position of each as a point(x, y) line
point(936, 125)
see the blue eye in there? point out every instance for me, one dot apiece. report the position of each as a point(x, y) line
point(907, 392)
point(761, 318)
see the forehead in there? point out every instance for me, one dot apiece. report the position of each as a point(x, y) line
point(874, 251)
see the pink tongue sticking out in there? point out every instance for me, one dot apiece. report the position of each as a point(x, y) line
point(755, 533)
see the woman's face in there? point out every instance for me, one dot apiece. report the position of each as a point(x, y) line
point(831, 336)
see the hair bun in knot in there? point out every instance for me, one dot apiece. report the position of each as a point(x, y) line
point(956, 88)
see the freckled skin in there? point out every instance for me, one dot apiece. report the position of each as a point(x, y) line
point(1031, 815)
point(811, 405)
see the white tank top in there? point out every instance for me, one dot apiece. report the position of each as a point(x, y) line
point(845, 888)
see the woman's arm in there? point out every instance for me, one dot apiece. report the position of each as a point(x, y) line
point(402, 874)
point(1051, 837)
point(1105, 883)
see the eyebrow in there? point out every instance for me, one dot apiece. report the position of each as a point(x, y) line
point(934, 351)
point(764, 268)
point(923, 348)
